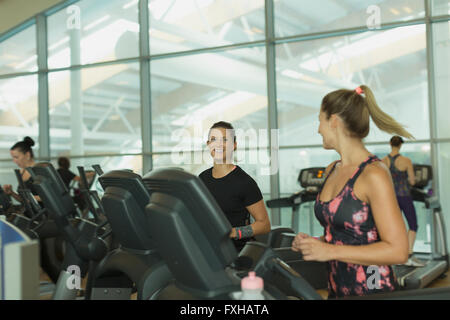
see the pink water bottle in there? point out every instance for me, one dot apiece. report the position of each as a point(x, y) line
point(252, 287)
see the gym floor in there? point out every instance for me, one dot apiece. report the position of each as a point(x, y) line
point(438, 283)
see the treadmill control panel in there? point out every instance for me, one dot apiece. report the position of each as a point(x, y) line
point(312, 177)
point(424, 174)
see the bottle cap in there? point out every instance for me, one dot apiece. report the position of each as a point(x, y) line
point(252, 282)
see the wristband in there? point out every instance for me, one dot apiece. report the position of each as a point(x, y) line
point(243, 232)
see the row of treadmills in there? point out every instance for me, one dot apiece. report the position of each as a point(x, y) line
point(163, 236)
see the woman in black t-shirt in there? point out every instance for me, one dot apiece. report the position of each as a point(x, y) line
point(235, 191)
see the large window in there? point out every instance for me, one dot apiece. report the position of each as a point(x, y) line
point(441, 37)
point(294, 17)
point(92, 31)
point(181, 25)
point(391, 62)
point(440, 7)
point(95, 110)
point(18, 53)
point(18, 112)
point(190, 93)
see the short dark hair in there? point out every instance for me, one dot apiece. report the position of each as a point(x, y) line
point(224, 125)
point(64, 162)
point(24, 146)
point(396, 141)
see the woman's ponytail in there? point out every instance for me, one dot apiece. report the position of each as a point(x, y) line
point(381, 119)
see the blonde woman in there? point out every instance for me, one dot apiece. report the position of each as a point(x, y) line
point(357, 207)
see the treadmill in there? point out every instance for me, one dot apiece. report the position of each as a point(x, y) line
point(192, 236)
point(310, 179)
point(436, 263)
point(315, 272)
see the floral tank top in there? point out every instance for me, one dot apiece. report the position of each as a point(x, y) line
point(349, 221)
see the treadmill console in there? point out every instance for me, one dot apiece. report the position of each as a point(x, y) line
point(424, 174)
point(312, 177)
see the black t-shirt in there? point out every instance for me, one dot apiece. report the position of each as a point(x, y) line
point(66, 176)
point(30, 186)
point(233, 193)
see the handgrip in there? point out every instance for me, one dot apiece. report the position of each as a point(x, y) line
point(296, 281)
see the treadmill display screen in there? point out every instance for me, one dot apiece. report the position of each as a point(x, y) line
point(423, 175)
point(312, 177)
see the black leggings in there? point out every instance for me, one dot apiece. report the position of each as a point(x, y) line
point(407, 206)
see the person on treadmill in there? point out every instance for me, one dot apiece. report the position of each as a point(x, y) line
point(235, 191)
point(402, 173)
point(23, 156)
point(356, 205)
point(66, 174)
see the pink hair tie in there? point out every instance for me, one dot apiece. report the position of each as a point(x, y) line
point(359, 90)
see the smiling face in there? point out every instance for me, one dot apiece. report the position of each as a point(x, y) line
point(221, 145)
point(326, 130)
point(20, 159)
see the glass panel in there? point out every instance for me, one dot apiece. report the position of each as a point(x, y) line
point(308, 70)
point(441, 39)
point(95, 110)
point(180, 25)
point(444, 184)
point(190, 93)
point(18, 112)
point(292, 161)
point(440, 7)
point(18, 53)
point(92, 31)
point(291, 18)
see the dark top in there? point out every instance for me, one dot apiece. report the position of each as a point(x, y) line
point(66, 175)
point(30, 186)
point(400, 179)
point(349, 221)
point(234, 192)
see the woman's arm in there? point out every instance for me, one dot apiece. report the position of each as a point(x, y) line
point(16, 196)
point(377, 187)
point(261, 225)
point(88, 175)
point(7, 188)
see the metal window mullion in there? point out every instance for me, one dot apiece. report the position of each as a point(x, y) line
point(345, 31)
point(272, 106)
point(145, 87)
point(43, 100)
point(432, 98)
